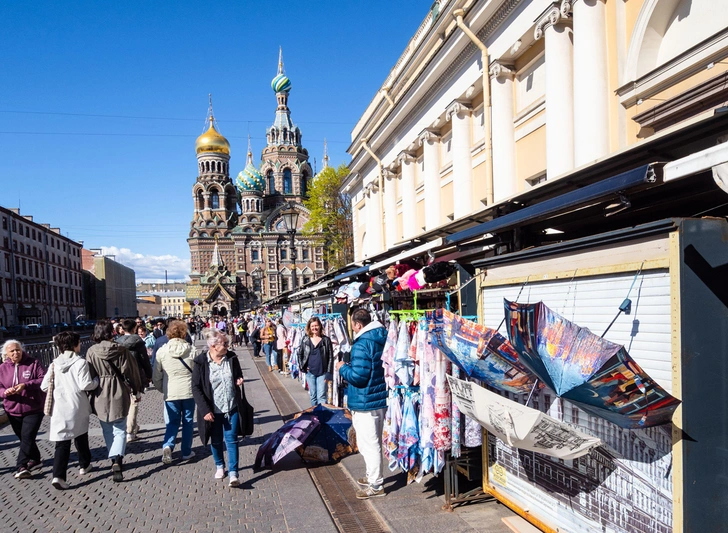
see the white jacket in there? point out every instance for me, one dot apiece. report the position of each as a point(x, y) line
point(71, 406)
point(170, 376)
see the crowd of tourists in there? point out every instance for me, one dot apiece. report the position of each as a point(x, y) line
point(126, 358)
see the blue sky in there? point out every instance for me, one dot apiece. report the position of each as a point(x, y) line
point(101, 103)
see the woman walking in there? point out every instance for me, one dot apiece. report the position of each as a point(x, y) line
point(119, 378)
point(20, 379)
point(173, 377)
point(267, 339)
point(316, 359)
point(68, 379)
point(216, 386)
point(281, 333)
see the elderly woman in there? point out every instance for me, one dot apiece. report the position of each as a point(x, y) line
point(20, 379)
point(316, 359)
point(216, 381)
point(68, 378)
point(119, 378)
point(173, 377)
point(268, 339)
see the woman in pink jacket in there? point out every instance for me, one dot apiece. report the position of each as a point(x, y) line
point(20, 379)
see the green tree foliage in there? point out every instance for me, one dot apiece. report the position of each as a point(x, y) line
point(331, 219)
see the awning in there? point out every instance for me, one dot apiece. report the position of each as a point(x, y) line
point(309, 290)
point(421, 249)
point(565, 202)
point(351, 273)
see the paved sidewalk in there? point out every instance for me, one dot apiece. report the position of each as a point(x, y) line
point(414, 508)
point(182, 496)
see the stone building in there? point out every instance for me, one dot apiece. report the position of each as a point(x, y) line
point(40, 273)
point(240, 250)
point(110, 286)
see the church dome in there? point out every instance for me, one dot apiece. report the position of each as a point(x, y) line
point(212, 141)
point(250, 180)
point(281, 83)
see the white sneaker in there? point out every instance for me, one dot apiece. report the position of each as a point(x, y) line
point(234, 481)
point(190, 456)
point(84, 471)
point(220, 472)
point(59, 484)
point(167, 455)
point(130, 437)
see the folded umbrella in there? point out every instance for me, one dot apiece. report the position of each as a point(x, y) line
point(597, 375)
point(283, 441)
point(335, 437)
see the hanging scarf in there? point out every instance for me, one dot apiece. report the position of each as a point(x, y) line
point(390, 434)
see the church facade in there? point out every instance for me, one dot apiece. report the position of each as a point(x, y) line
point(240, 249)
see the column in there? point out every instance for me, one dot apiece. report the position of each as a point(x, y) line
point(409, 215)
point(504, 133)
point(591, 90)
point(390, 208)
point(462, 161)
point(431, 147)
point(559, 92)
point(374, 220)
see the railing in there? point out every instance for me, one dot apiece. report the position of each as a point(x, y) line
point(45, 352)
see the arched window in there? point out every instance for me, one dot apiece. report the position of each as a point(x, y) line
point(215, 200)
point(304, 183)
point(271, 182)
point(200, 201)
point(287, 182)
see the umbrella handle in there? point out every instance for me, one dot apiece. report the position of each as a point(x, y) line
point(531, 393)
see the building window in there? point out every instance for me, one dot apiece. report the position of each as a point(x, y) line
point(271, 182)
point(306, 279)
point(284, 254)
point(304, 254)
point(284, 284)
point(5, 222)
point(215, 200)
point(254, 255)
point(446, 150)
point(304, 184)
point(287, 182)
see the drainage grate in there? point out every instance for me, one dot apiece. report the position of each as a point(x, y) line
point(336, 488)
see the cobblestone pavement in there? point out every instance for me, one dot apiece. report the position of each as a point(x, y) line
point(182, 496)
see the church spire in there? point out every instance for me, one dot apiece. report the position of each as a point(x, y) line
point(250, 152)
point(216, 257)
point(280, 61)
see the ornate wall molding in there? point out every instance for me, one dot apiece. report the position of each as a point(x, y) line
point(552, 17)
point(501, 70)
point(459, 109)
point(429, 136)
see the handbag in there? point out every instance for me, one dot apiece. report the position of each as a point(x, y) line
point(48, 406)
point(248, 423)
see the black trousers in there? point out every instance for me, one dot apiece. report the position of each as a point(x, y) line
point(26, 428)
point(256, 348)
point(63, 452)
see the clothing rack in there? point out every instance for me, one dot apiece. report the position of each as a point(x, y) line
point(327, 316)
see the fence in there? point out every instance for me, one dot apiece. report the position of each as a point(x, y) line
point(45, 352)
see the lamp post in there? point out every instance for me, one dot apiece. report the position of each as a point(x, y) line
point(290, 219)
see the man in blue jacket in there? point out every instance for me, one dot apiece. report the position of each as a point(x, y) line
point(367, 397)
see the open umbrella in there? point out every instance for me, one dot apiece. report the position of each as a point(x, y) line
point(598, 375)
point(287, 438)
point(335, 437)
point(481, 352)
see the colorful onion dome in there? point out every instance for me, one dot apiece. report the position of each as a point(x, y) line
point(250, 180)
point(281, 83)
point(212, 141)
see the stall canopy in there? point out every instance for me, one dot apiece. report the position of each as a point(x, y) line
point(426, 247)
point(352, 273)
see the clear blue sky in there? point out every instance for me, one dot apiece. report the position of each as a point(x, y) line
point(101, 103)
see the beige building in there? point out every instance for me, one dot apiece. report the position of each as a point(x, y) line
point(173, 303)
point(112, 287)
point(567, 84)
point(40, 273)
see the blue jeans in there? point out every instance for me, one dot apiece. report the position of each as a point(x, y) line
point(270, 353)
point(225, 427)
point(317, 389)
point(114, 436)
point(184, 411)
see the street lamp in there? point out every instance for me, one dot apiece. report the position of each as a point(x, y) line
point(290, 219)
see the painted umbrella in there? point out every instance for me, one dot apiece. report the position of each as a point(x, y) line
point(597, 375)
point(335, 437)
point(286, 439)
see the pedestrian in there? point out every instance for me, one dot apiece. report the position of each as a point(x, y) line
point(216, 386)
point(67, 380)
point(158, 329)
point(243, 331)
point(173, 378)
point(367, 399)
point(118, 379)
point(255, 339)
point(316, 360)
point(23, 400)
point(138, 349)
point(268, 339)
point(281, 334)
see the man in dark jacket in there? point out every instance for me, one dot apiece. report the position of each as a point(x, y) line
point(138, 349)
point(367, 397)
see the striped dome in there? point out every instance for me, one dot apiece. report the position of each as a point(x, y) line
point(281, 84)
point(250, 180)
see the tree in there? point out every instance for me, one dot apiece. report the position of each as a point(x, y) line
point(331, 220)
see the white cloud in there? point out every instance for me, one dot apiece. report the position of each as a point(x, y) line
point(150, 267)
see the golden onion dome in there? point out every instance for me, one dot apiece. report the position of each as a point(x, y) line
point(212, 141)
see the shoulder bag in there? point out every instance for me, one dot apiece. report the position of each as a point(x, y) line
point(48, 406)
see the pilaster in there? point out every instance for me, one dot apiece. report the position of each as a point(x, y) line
point(462, 164)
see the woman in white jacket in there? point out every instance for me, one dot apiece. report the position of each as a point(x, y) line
point(172, 376)
point(68, 379)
